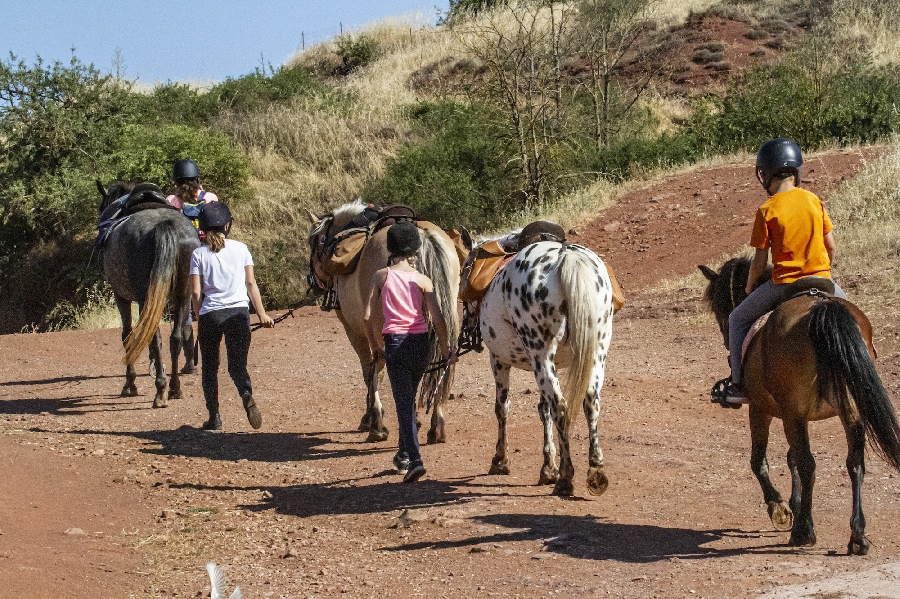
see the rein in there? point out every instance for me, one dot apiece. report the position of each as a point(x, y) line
point(731, 288)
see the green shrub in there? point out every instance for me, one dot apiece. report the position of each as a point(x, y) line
point(357, 52)
point(147, 153)
point(257, 90)
point(454, 174)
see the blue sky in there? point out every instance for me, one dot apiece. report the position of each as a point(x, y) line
point(185, 40)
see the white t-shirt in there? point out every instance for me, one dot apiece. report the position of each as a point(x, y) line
point(222, 275)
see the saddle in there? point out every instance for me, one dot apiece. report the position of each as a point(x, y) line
point(490, 257)
point(811, 286)
point(144, 196)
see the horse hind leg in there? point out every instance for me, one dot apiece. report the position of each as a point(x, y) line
point(500, 462)
point(553, 411)
point(375, 411)
point(856, 467)
point(124, 307)
point(597, 482)
point(176, 341)
point(160, 400)
point(779, 513)
point(803, 471)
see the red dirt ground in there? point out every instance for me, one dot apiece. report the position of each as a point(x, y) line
point(304, 507)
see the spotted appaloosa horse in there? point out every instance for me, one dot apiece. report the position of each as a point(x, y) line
point(811, 360)
point(551, 306)
point(437, 259)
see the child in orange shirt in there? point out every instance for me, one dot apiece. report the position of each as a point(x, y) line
point(794, 225)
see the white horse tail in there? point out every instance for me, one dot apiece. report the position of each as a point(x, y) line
point(162, 276)
point(435, 259)
point(584, 311)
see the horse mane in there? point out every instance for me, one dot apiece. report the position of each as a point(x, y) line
point(115, 190)
point(344, 214)
point(730, 287)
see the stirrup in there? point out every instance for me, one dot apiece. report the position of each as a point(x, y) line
point(719, 393)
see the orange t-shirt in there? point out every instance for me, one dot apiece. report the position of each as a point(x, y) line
point(794, 224)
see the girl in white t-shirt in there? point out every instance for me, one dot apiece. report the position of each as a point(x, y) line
point(223, 285)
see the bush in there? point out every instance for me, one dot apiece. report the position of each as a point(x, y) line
point(357, 52)
point(147, 153)
point(452, 174)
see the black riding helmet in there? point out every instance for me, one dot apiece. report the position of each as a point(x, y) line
point(214, 215)
point(185, 169)
point(777, 156)
point(403, 239)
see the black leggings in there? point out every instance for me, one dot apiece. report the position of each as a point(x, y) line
point(234, 324)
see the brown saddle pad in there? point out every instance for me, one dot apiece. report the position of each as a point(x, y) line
point(477, 276)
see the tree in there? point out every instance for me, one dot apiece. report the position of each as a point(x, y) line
point(608, 34)
point(519, 49)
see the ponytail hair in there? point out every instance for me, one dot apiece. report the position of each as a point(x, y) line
point(215, 240)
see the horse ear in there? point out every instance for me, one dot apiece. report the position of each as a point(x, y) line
point(312, 216)
point(101, 189)
point(709, 273)
point(466, 238)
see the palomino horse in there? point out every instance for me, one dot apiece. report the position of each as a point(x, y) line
point(551, 306)
point(811, 360)
point(146, 259)
point(437, 259)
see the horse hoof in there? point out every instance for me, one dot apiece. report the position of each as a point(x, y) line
point(377, 436)
point(188, 369)
point(564, 488)
point(548, 476)
point(434, 437)
point(858, 546)
point(597, 483)
point(160, 403)
point(799, 540)
point(781, 516)
point(499, 468)
point(175, 394)
point(366, 423)
point(129, 391)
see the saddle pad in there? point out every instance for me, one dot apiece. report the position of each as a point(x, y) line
point(753, 330)
point(342, 256)
point(487, 263)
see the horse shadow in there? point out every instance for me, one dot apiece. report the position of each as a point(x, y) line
point(75, 405)
point(349, 497)
point(591, 538)
point(191, 442)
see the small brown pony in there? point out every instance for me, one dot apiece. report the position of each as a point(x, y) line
point(437, 259)
point(811, 360)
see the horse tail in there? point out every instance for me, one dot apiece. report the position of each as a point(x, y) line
point(584, 314)
point(162, 276)
point(436, 259)
point(843, 364)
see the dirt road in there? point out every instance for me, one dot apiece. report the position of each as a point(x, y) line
point(101, 496)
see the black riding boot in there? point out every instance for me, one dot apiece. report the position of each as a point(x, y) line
point(214, 423)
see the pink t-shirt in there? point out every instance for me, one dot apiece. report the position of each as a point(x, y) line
point(207, 197)
point(401, 303)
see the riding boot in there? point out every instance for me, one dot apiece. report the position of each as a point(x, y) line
point(253, 415)
point(214, 423)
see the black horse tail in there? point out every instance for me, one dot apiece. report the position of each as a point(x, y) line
point(843, 364)
point(162, 277)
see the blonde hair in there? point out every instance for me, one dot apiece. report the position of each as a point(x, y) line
point(215, 240)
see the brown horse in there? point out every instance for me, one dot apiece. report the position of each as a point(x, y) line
point(811, 360)
point(437, 259)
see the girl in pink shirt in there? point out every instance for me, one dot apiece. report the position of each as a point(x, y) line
point(403, 295)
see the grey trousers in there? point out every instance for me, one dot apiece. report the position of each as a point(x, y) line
point(763, 299)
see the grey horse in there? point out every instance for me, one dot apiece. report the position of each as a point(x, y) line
point(146, 258)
